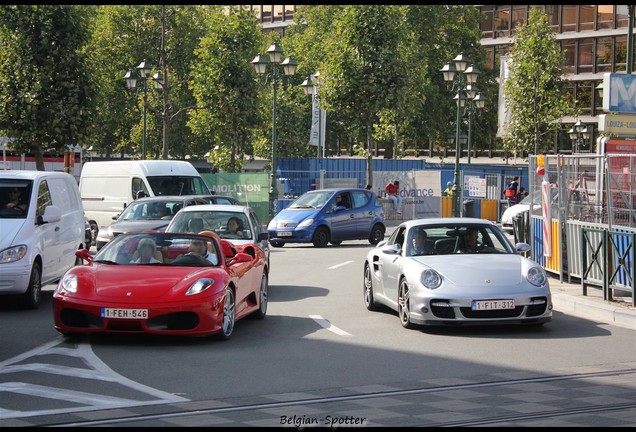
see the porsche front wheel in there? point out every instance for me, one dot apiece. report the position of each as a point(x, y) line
point(404, 306)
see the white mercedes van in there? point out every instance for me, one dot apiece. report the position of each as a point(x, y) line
point(41, 227)
point(107, 187)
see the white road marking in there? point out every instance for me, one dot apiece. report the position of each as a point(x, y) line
point(340, 265)
point(327, 325)
point(96, 370)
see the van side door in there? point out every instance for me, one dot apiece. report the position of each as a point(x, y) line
point(69, 236)
point(47, 235)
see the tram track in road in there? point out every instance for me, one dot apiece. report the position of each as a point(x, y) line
point(512, 402)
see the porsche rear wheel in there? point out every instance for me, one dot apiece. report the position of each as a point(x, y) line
point(262, 299)
point(404, 306)
point(229, 314)
point(369, 301)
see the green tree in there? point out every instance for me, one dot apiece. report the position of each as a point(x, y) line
point(44, 87)
point(224, 87)
point(164, 36)
point(362, 69)
point(535, 88)
point(390, 69)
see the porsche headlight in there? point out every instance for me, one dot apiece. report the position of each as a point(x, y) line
point(13, 254)
point(430, 279)
point(199, 286)
point(536, 276)
point(306, 223)
point(69, 283)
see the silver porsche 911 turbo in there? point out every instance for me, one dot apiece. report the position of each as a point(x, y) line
point(455, 271)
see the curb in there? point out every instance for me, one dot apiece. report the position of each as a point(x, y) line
point(595, 309)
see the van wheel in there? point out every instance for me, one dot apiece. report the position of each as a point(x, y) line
point(321, 237)
point(31, 298)
point(94, 232)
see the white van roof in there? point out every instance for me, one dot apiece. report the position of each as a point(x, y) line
point(145, 167)
point(31, 174)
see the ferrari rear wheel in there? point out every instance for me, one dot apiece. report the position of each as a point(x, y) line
point(229, 314)
point(369, 301)
point(262, 299)
point(404, 306)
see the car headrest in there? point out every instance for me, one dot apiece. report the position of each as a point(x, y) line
point(227, 248)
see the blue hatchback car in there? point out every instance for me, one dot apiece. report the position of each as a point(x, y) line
point(326, 216)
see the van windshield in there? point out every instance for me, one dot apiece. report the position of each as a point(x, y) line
point(177, 185)
point(14, 199)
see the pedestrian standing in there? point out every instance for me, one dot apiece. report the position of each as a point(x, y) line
point(512, 191)
point(449, 191)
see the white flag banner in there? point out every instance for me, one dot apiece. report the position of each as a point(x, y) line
point(503, 113)
point(315, 123)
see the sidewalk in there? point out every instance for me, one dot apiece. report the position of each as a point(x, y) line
point(568, 298)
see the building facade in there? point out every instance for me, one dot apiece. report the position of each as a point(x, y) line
point(594, 39)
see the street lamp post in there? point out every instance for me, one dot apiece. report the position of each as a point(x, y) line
point(475, 102)
point(143, 71)
point(310, 86)
point(579, 135)
point(458, 74)
point(289, 65)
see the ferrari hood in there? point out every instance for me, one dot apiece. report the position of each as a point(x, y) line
point(136, 283)
point(498, 269)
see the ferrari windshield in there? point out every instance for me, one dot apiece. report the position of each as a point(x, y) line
point(159, 249)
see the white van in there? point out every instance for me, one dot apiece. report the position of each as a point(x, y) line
point(41, 227)
point(107, 187)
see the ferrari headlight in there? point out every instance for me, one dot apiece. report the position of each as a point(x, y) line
point(306, 223)
point(199, 286)
point(69, 283)
point(13, 254)
point(430, 279)
point(536, 276)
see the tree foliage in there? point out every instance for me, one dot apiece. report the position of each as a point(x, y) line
point(223, 85)
point(535, 88)
point(164, 36)
point(44, 83)
point(379, 66)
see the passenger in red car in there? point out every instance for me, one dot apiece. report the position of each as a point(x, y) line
point(146, 249)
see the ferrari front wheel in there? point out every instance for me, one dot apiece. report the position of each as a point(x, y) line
point(229, 314)
point(404, 305)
